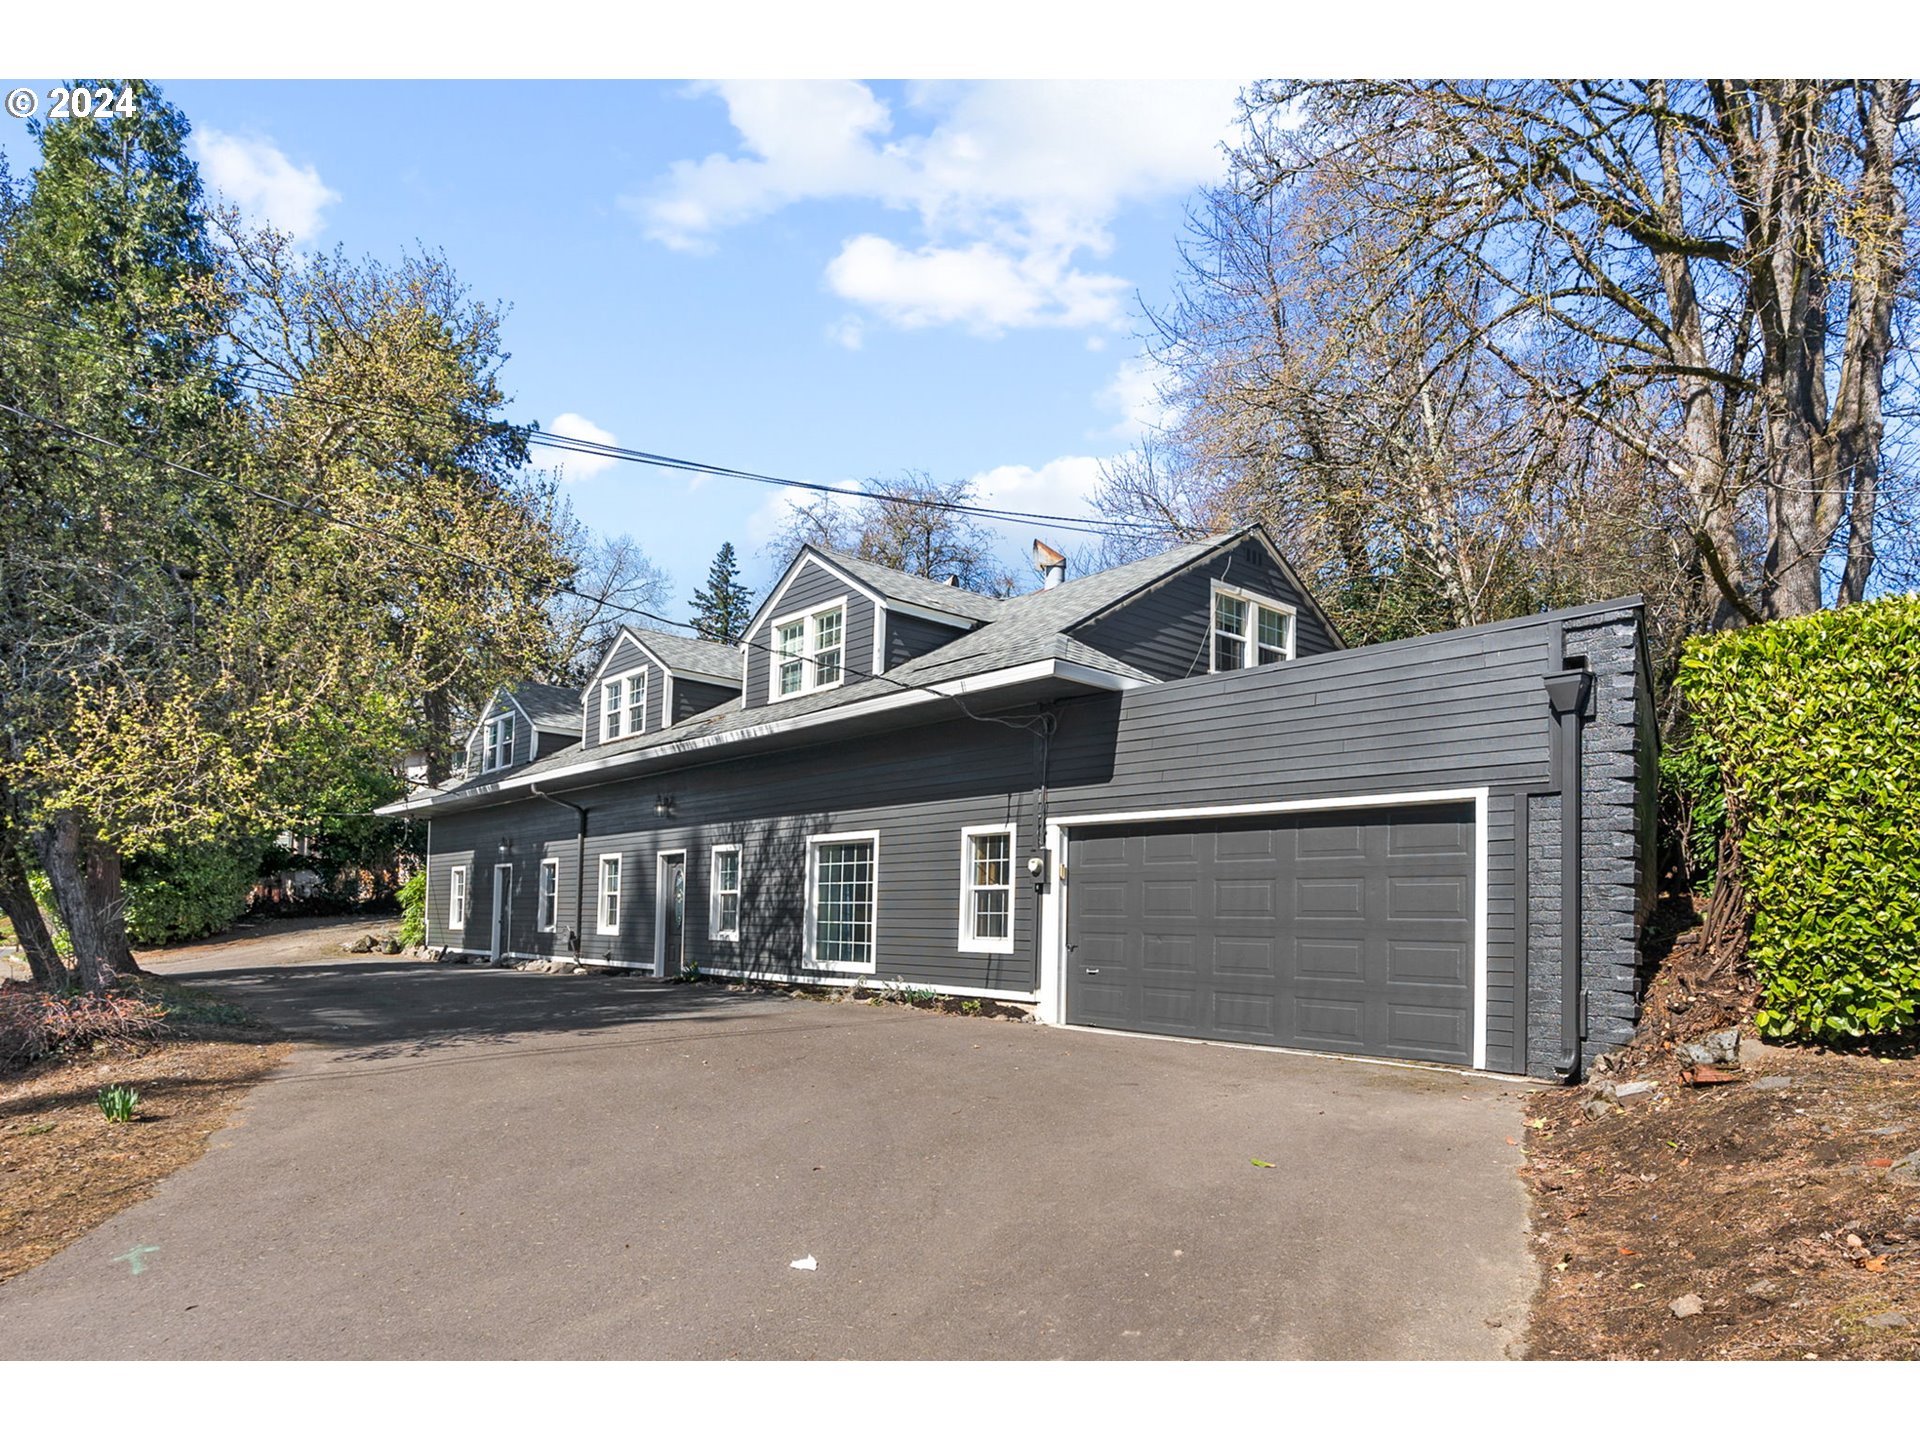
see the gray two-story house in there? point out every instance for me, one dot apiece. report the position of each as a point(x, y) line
point(1163, 798)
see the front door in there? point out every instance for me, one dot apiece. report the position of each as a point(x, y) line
point(502, 910)
point(673, 920)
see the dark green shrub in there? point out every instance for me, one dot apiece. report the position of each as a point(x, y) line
point(187, 893)
point(1814, 727)
point(413, 910)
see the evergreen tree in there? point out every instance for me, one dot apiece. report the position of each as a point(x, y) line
point(721, 611)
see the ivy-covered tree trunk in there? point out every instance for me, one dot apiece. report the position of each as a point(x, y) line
point(23, 913)
point(61, 843)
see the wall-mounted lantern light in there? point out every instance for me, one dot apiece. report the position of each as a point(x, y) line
point(663, 807)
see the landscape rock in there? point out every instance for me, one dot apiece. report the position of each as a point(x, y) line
point(1888, 1320)
point(1686, 1306)
point(1724, 1046)
point(361, 946)
point(390, 946)
point(1628, 1090)
point(1595, 1108)
point(1906, 1169)
point(1773, 1082)
point(1763, 1288)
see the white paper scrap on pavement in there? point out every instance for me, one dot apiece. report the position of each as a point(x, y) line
point(807, 1264)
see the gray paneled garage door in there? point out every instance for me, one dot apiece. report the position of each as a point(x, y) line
point(1348, 930)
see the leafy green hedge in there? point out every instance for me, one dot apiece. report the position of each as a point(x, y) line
point(1814, 725)
point(413, 910)
point(187, 893)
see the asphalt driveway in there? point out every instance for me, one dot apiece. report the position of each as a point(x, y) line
point(490, 1164)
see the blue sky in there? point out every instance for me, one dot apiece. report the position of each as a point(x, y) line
point(826, 280)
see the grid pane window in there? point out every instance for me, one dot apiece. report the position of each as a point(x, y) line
point(636, 703)
point(987, 889)
point(610, 703)
point(498, 743)
point(1229, 632)
point(826, 647)
point(549, 893)
point(457, 897)
point(610, 894)
point(726, 894)
point(843, 903)
point(792, 640)
point(1272, 639)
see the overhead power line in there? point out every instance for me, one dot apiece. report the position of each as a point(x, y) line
point(412, 542)
point(276, 384)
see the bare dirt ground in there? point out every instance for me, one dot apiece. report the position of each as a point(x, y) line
point(1779, 1200)
point(64, 1169)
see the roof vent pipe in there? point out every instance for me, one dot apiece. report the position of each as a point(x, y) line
point(1051, 564)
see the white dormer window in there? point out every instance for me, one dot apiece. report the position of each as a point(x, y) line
point(807, 650)
point(623, 705)
point(497, 749)
point(1249, 629)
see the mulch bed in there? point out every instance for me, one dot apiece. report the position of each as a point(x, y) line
point(64, 1169)
point(1782, 1207)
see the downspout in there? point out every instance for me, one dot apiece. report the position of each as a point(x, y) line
point(1567, 694)
point(575, 936)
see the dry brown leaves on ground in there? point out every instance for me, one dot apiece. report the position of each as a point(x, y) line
point(1779, 1205)
point(64, 1169)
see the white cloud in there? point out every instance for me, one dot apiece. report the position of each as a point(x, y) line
point(1011, 183)
point(848, 331)
point(1134, 392)
point(1062, 486)
point(254, 174)
point(577, 427)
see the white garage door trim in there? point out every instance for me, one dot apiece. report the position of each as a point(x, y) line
point(1053, 908)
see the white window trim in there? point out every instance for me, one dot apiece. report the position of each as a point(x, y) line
point(714, 932)
point(812, 962)
point(600, 894)
point(457, 898)
point(547, 867)
point(625, 681)
point(805, 619)
point(496, 754)
point(969, 942)
point(1250, 642)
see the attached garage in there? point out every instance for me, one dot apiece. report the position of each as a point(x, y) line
point(1351, 928)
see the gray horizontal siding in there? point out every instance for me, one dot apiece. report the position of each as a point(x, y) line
point(1166, 630)
point(813, 586)
point(694, 697)
point(1449, 712)
point(909, 637)
point(625, 656)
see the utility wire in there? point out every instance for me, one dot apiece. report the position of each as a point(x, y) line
point(279, 385)
point(380, 532)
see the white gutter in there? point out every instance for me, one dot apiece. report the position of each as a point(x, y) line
point(920, 695)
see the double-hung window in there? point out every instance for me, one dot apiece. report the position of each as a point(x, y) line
point(457, 897)
point(623, 705)
point(842, 890)
point(548, 915)
point(808, 650)
point(609, 895)
point(498, 739)
point(724, 921)
point(986, 889)
point(1249, 630)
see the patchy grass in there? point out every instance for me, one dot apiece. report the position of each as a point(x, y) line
point(1779, 1206)
point(64, 1168)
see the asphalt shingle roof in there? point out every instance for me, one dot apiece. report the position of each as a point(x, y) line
point(916, 589)
point(1022, 630)
point(695, 657)
point(549, 707)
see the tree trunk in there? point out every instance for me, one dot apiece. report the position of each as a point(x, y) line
point(23, 911)
point(109, 901)
point(62, 847)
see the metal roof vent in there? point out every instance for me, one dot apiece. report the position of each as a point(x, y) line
point(1051, 564)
